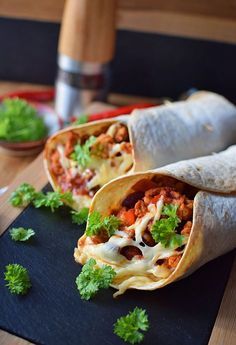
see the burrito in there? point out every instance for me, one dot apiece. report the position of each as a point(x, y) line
point(82, 159)
point(168, 221)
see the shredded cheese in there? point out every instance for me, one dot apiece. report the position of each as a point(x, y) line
point(135, 272)
point(104, 169)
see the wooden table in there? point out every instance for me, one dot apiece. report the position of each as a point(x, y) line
point(15, 170)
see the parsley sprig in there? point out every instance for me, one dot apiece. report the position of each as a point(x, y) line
point(52, 199)
point(80, 217)
point(82, 153)
point(17, 278)
point(163, 230)
point(92, 279)
point(21, 234)
point(23, 195)
point(128, 327)
point(96, 224)
point(26, 194)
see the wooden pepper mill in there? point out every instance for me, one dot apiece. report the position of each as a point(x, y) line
point(86, 46)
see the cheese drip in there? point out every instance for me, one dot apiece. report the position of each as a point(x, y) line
point(104, 170)
point(135, 272)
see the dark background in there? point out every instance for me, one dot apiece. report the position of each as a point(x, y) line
point(145, 64)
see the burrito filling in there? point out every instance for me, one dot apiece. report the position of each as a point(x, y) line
point(154, 222)
point(84, 164)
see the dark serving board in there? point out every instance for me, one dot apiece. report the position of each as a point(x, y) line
point(53, 313)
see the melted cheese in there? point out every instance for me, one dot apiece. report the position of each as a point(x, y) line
point(105, 169)
point(108, 169)
point(135, 272)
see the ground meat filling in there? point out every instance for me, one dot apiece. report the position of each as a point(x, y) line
point(109, 145)
point(144, 203)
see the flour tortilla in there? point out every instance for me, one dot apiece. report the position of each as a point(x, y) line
point(214, 218)
point(203, 124)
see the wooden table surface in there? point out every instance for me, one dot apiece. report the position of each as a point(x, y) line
point(15, 170)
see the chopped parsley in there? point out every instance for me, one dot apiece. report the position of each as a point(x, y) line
point(17, 279)
point(129, 327)
point(82, 153)
point(96, 224)
point(21, 234)
point(23, 195)
point(80, 217)
point(92, 279)
point(19, 121)
point(163, 230)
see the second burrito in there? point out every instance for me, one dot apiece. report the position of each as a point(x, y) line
point(82, 159)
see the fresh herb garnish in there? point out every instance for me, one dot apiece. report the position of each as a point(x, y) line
point(81, 120)
point(80, 217)
point(52, 199)
point(96, 224)
point(23, 195)
point(19, 121)
point(92, 279)
point(128, 327)
point(21, 234)
point(26, 193)
point(17, 278)
point(82, 153)
point(163, 230)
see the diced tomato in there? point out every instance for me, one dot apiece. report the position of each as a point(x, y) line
point(127, 217)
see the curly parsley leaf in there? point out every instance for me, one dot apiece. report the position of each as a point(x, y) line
point(170, 210)
point(82, 153)
point(81, 120)
point(51, 199)
point(26, 194)
point(92, 279)
point(111, 224)
point(17, 278)
point(128, 327)
point(96, 224)
point(80, 217)
point(163, 230)
point(21, 234)
point(20, 122)
point(23, 195)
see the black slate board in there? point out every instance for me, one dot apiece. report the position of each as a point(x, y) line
point(53, 313)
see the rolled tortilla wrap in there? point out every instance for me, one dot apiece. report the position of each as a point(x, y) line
point(157, 136)
point(209, 181)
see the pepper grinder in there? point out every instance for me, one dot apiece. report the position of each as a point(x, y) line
point(86, 47)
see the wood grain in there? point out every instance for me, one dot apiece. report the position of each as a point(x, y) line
point(9, 339)
point(178, 24)
point(33, 174)
point(224, 331)
point(46, 10)
point(9, 86)
point(88, 30)
point(217, 8)
point(10, 166)
point(52, 10)
point(212, 19)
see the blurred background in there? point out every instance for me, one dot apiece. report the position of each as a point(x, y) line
point(162, 47)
